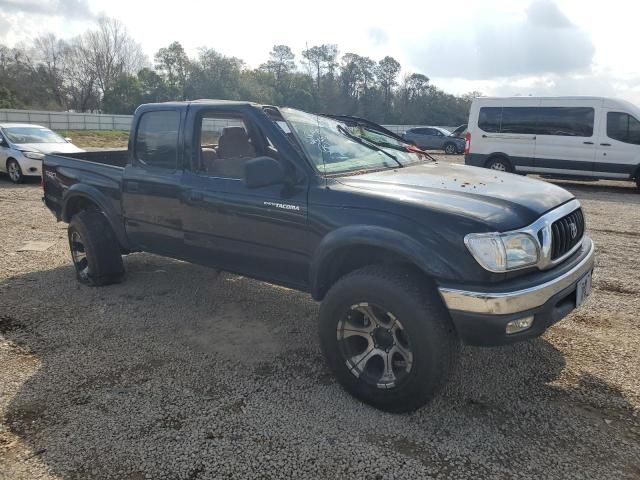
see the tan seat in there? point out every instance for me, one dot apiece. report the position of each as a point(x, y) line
point(234, 143)
point(234, 149)
point(208, 157)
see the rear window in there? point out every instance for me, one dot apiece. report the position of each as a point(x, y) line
point(565, 121)
point(559, 121)
point(157, 139)
point(490, 118)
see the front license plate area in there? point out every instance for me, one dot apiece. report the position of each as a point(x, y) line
point(583, 289)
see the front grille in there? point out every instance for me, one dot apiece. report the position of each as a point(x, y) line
point(566, 233)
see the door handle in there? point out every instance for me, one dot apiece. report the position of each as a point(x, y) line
point(133, 186)
point(605, 144)
point(484, 136)
point(588, 143)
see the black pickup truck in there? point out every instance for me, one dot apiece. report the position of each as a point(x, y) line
point(410, 257)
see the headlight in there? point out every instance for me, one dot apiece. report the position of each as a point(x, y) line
point(500, 252)
point(33, 155)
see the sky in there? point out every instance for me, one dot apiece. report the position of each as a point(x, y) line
point(497, 47)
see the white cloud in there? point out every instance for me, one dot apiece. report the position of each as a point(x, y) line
point(543, 40)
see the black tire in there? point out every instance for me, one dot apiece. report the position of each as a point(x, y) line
point(450, 149)
point(95, 250)
point(499, 163)
point(14, 171)
point(427, 332)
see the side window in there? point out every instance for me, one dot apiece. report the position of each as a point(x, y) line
point(225, 146)
point(565, 121)
point(156, 142)
point(623, 127)
point(489, 119)
point(519, 120)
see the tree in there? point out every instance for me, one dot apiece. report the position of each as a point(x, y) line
point(51, 54)
point(320, 58)
point(387, 72)
point(173, 63)
point(111, 53)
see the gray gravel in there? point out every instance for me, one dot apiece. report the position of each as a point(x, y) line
point(183, 372)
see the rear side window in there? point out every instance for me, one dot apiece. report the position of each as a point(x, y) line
point(623, 127)
point(559, 121)
point(490, 118)
point(519, 120)
point(157, 139)
point(566, 121)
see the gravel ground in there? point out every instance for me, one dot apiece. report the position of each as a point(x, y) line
point(183, 372)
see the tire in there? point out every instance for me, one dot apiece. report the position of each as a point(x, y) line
point(450, 149)
point(425, 346)
point(14, 171)
point(95, 250)
point(499, 163)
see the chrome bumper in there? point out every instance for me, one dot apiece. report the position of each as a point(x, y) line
point(502, 303)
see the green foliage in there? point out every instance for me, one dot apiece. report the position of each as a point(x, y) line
point(8, 99)
point(61, 75)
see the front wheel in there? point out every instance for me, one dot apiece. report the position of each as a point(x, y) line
point(388, 338)
point(14, 171)
point(95, 250)
point(450, 149)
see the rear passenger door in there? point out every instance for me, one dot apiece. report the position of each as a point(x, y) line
point(566, 136)
point(151, 189)
point(261, 232)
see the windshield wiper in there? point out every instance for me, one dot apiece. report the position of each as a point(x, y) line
point(366, 143)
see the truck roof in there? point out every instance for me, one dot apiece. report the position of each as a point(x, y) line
point(200, 101)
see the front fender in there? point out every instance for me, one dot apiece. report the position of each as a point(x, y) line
point(104, 203)
point(420, 254)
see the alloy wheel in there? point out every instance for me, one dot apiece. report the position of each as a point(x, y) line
point(374, 346)
point(14, 171)
point(79, 255)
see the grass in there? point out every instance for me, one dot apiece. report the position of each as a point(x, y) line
point(97, 138)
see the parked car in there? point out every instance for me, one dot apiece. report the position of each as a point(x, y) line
point(22, 147)
point(566, 137)
point(434, 138)
point(409, 257)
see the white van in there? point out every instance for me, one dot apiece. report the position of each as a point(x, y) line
point(583, 137)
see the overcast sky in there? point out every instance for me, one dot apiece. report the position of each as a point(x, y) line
point(499, 47)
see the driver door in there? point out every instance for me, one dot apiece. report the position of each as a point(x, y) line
point(261, 232)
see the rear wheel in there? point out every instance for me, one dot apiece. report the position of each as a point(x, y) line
point(450, 149)
point(499, 163)
point(95, 250)
point(14, 171)
point(387, 338)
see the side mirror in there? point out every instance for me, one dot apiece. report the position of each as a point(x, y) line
point(263, 171)
point(67, 139)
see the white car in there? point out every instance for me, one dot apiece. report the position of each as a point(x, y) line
point(22, 147)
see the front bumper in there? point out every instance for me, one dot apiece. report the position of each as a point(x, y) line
point(30, 167)
point(481, 315)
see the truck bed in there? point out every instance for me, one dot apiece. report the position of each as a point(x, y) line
point(116, 158)
point(97, 172)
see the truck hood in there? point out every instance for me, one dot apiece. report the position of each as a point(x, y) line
point(48, 148)
point(501, 201)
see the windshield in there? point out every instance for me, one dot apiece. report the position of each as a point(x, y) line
point(32, 135)
point(333, 147)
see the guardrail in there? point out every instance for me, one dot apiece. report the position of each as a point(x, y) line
point(98, 121)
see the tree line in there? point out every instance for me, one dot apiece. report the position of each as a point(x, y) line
point(105, 70)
